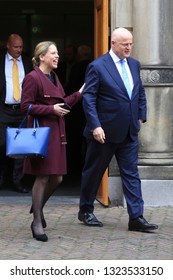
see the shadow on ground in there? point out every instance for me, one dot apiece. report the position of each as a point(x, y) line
point(69, 187)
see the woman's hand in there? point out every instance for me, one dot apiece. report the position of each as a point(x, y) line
point(59, 110)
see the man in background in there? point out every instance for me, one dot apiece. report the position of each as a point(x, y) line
point(65, 66)
point(11, 171)
point(76, 119)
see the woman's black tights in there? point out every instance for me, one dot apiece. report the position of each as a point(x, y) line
point(43, 188)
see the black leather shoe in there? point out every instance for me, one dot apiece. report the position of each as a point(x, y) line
point(89, 219)
point(21, 189)
point(140, 224)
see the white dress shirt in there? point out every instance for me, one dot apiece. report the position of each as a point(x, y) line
point(117, 60)
point(9, 80)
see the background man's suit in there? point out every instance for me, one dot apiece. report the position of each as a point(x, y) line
point(9, 116)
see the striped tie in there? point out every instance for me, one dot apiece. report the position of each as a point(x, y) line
point(16, 87)
point(125, 77)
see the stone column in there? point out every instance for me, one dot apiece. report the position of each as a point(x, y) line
point(151, 26)
point(153, 38)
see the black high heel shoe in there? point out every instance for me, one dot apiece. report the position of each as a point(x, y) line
point(39, 237)
point(43, 221)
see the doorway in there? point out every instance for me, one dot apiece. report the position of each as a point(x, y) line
point(64, 21)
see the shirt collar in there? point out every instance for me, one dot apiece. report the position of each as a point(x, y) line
point(9, 57)
point(115, 57)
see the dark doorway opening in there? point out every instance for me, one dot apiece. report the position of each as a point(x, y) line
point(65, 22)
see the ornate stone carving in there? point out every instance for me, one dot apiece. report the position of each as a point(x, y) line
point(157, 76)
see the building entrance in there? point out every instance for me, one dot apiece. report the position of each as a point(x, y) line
point(66, 23)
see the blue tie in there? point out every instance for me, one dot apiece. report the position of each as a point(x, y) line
point(125, 77)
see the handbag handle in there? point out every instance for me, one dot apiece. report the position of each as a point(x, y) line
point(25, 118)
point(36, 124)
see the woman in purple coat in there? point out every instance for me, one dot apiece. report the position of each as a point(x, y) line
point(42, 89)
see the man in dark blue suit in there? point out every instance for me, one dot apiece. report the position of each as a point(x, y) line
point(113, 113)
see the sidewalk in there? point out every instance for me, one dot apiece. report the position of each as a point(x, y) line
point(70, 239)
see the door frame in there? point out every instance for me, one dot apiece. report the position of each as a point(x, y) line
point(101, 45)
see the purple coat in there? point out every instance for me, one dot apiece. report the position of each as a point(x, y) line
point(43, 94)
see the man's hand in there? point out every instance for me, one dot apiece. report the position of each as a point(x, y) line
point(99, 135)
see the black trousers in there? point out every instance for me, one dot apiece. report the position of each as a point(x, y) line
point(10, 169)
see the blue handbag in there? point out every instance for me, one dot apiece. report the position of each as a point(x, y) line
point(23, 142)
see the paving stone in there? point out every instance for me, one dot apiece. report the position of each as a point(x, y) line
point(70, 239)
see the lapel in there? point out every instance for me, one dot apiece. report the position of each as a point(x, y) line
point(2, 69)
point(2, 78)
point(132, 67)
point(49, 89)
point(26, 64)
point(113, 71)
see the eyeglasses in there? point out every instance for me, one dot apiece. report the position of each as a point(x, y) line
point(125, 45)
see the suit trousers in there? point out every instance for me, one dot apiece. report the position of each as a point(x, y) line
point(98, 157)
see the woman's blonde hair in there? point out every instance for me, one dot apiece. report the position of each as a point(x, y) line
point(41, 49)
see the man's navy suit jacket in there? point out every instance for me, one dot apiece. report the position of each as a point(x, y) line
point(106, 102)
